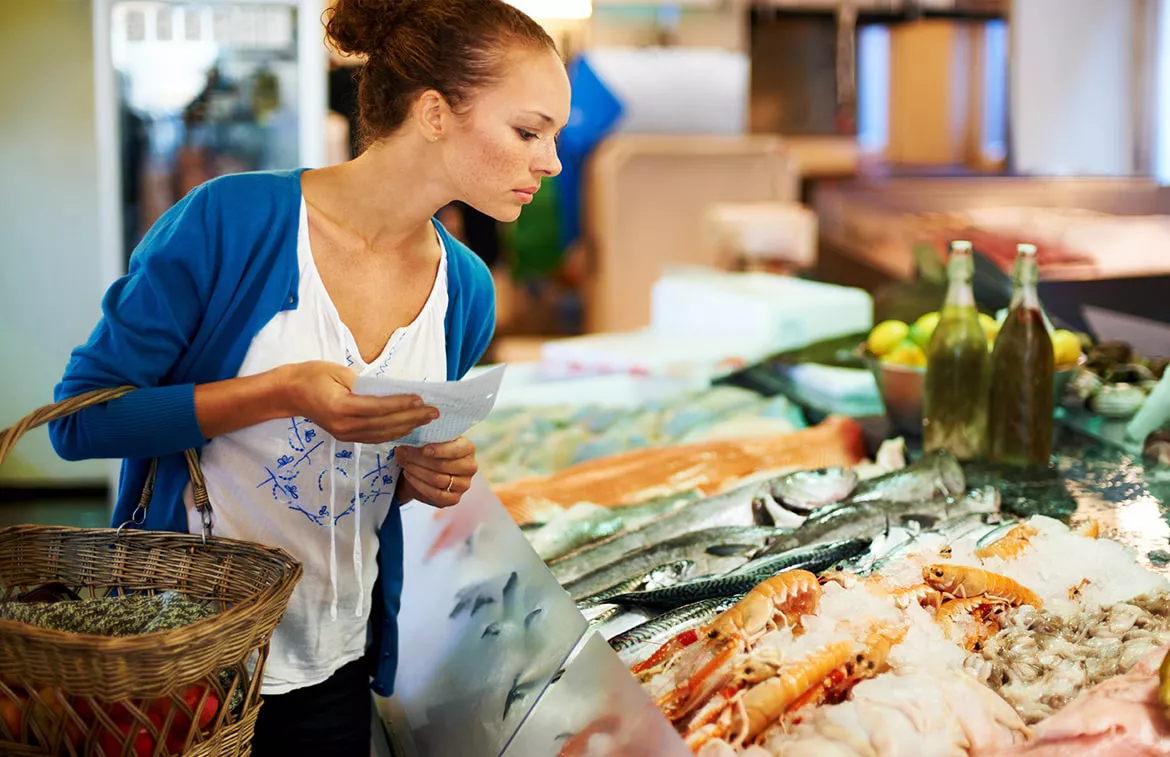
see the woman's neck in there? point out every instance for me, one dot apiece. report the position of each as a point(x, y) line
point(385, 197)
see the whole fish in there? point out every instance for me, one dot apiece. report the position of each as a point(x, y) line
point(849, 520)
point(937, 475)
point(804, 491)
point(733, 508)
point(829, 554)
point(658, 578)
point(713, 550)
point(664, 627)
point(580, 524)
point(813, 559)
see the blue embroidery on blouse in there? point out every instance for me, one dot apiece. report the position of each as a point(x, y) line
point(304, 440)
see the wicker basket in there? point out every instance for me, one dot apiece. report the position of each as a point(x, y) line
point(77, 694)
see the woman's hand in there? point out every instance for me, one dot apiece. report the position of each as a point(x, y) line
point(322, 392)
point(437, 474)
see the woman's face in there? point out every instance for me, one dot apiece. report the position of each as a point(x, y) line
point(505, 144)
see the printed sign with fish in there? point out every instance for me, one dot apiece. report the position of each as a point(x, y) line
point(484, 627)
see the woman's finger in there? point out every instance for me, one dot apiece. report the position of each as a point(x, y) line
point(465, 466)
point(384, 428)
point(430, 494)
point(439, 480)
point(452, 450)
point(368, 406)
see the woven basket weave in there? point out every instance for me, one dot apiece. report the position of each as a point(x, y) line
point(124, 695)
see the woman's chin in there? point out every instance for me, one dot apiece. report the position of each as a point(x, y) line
point(504, 212)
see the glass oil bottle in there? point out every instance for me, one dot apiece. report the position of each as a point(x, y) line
point(954, 414)
point(1021, 399)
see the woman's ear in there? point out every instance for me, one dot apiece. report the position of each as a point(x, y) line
point(432, 115)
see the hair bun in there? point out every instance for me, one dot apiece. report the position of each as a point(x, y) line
point(362, 27)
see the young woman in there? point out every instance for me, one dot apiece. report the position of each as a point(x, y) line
point(251, 306)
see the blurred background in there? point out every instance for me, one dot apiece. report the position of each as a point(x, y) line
point(838, 140)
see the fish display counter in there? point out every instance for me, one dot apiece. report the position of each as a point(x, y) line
point(816, 587)
point(838, 596)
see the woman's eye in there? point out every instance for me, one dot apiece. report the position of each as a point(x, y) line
point(526, 135)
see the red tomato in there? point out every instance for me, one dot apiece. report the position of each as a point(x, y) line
point(192, 696)
point(11, 714)
point(142, 742)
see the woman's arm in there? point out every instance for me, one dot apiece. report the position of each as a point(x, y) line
point(149, 317)
point(319, 390)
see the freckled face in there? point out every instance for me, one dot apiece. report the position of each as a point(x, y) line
point(505, 144)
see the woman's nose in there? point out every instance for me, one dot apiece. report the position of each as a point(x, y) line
point(548, 163)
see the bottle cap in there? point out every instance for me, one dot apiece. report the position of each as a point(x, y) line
point(1026, 249)
point(961, 245)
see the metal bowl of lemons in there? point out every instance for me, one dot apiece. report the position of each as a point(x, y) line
point(896, 354)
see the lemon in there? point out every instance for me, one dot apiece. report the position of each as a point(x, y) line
point(906, 353)
point(1066, 348)
point(885, 336)
point(990, 326)
point(923, 330)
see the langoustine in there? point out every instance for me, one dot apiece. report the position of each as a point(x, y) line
point(699, 662)
point(963, 582)
point(739, 717)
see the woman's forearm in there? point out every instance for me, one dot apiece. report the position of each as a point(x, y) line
point(226, 406)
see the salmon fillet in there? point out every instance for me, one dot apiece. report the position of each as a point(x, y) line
point(707, 467)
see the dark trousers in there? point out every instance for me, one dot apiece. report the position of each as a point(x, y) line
point(330, 719)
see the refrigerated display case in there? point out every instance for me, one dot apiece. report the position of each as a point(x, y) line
point(188, 90)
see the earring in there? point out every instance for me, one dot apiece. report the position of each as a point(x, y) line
point(435, 138)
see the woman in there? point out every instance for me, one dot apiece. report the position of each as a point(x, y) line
point(251, 306)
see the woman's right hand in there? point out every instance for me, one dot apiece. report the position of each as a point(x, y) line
point(322, 392)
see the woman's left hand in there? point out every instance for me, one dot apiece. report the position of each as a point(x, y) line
point(437, 474)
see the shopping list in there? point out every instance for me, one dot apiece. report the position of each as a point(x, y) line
point(461, 404)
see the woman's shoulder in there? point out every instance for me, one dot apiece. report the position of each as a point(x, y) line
point(274, 188)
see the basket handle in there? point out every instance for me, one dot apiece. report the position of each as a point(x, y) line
point(66, 407)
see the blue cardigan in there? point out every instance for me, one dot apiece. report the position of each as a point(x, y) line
point(210, 273)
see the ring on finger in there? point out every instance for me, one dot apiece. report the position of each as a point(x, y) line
point(450, 483)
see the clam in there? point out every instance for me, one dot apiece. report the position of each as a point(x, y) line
point(1085, 385)
point(1128, 373)
point(1117, 401)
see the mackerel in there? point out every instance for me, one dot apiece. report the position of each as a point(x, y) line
point(733, 508)
point(658, 578)
point(828, 553)
point(815, 560)
point(712, 550)
point(669, 624)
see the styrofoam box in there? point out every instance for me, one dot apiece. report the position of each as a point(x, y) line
point(535, 385)
point(780, 312)
point(648, 353)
